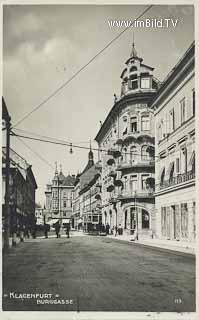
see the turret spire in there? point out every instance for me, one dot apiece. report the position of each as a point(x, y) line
point(56, 171)
point(133, 51)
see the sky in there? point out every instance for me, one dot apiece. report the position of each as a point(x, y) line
point(44, 45)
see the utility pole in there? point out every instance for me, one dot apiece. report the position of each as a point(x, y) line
point(7, 119)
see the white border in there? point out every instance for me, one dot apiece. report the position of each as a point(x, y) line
point(119, 315)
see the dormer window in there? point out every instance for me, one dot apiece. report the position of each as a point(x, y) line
point(133, 82)
point(145, 83)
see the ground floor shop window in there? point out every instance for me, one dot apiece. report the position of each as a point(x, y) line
point(163, 221)
point(184, 220)
point(145, 219)
point(133, 218)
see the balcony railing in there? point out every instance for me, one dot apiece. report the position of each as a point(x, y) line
point(136, 163)
point(181, 178)
point(148, 193)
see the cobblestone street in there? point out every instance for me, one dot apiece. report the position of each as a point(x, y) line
point(97, 274)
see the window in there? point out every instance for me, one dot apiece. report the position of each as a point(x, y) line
point(184, 220)
point(145, 123)
point(133, 124)
point(133, 68)
point(193, 102)
point(145, 153)
point(162, 175)
point(177, 165)
point(184, 159)
point(183, 110)
point(145, 219)
point(64, 204)
point(172, 120)
point(133, 82)
point(125, 219)
point(133, 151)
point(144, 177)
point(133, 218)
point(125, 155)
point(125, 183)
point(133, 183)
point(163, 221)
point(125, 126)
point(145, 83)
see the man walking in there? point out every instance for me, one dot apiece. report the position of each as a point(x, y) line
point(68, 231)
point(57, 229)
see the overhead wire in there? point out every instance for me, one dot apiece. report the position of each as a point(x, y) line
point(79, 70)
point(107, 151)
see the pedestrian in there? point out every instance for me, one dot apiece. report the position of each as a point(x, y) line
point(68, 231)
point(57, 229)
point(120, 229)
point(116, 230)
point(107, 228)
point(46, 229)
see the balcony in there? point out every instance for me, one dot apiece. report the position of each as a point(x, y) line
point(179, 179)
point(140, 194)
point(136, 163)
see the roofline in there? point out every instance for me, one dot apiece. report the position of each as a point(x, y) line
point(174, 71)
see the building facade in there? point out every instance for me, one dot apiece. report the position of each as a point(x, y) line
point(77, 220)
point(39, 215)
point(127, 140)
point(174, 107)
point(90, 196)
point(59, 199)
point(22, 193)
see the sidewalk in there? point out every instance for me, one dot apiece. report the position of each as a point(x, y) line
point(171, 245)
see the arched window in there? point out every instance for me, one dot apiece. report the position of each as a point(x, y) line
point(133, 151)
point(145, 219)
point(133, 69)
point(145, 153)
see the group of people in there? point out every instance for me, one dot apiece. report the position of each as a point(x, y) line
point(57, 230)
point(114, 230)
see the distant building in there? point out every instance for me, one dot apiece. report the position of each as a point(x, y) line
point(59, 198)
point(39, 215)
point(174, 107)
point(22, 192)
point(76, 219)
point(90, 195)
point(128, 166)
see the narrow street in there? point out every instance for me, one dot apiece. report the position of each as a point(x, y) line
point(97, 274)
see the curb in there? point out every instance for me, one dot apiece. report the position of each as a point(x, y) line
point(168, 250)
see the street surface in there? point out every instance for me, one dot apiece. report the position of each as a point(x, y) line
point(96, 274)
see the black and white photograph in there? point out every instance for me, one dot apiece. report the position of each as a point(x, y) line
point(98, 158)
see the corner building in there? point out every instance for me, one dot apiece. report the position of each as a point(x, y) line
point(128, 165)
point(174, 107)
